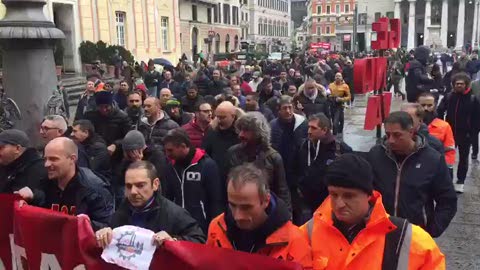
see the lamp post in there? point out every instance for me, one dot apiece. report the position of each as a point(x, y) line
point(27, 38)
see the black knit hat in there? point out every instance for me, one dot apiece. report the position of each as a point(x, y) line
point(350, 171)
point(103, 98)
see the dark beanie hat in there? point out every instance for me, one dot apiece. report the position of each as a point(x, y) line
point(103, 98)
point(350, 171)
point(134, 140)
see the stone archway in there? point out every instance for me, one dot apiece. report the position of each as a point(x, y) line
point(235, 42)
point(217, 43)
point(194, 43)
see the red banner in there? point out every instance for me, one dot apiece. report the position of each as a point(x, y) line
point(44, 239)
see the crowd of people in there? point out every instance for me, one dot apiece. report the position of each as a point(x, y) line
point(252, 158)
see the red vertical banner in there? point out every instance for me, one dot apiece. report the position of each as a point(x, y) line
point(6, 229)
point(372, 115)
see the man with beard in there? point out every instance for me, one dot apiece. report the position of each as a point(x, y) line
point(134, 109)
point(216, 85)
point(312, 99)
point(156, 123)
point(252, 105)
point(110, 122)
point(288, 131)
point(197, 128)
point(461, 110)
point(254, 134)
point(191, 99)
point(174, 110)
point(417, 113)
point(256, 221)
point(121, 96)
point(438, 128)
point(268, 96)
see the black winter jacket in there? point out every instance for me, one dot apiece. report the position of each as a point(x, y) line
point(85, 104)
point(319, 105)
point(417, 80)
point(26, 171)
point(419, 188)
point(216, 143)
point(98, 156)
point(197, 188)
point(461, 111)
point(155, 133)
point(286, 146)
point(162, 215)
point(268, 159)
point(111, 128)
point(86, 193)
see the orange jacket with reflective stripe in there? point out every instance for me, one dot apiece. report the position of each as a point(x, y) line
point(441, 130)
point(332, 251)
point(287, 243)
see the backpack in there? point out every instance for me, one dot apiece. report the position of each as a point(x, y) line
point(393, 252)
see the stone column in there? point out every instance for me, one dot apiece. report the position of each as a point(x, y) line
point(411, 25)
point(428, 17)
point(460, 24)
point(397, 12)
point(444, 24)
point(27, 38)
point(475, 23)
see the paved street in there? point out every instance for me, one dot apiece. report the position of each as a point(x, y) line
point(461, 242)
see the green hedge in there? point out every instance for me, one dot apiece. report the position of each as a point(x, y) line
point(90, 52)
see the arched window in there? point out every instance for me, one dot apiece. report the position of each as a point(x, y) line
point(270, 28)
point(260, 26)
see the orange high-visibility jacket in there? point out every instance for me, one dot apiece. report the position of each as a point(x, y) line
point(287, 243)
point(441, 130)
point(332, 251)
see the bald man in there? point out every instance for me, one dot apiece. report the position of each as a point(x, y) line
point(157, 122)
point(165, 95)
point(220, 138)
point(71, 189)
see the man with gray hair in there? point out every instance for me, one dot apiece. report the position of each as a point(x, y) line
point(69, 188)
point(53, 126)
point(255, 147)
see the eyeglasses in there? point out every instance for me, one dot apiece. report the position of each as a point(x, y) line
point(46, 129)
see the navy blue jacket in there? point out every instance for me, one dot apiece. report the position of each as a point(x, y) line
point(287, 147)
point(197, 188)
point(423, 180)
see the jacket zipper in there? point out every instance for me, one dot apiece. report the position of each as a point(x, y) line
point(398, 180)
point(203, 209)
point(182, 180)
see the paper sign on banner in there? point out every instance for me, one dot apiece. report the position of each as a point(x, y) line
point(131, 248)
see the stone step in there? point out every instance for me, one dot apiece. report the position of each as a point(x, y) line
point(75, 86)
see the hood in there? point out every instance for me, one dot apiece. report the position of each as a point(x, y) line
point(422, 54)
point(278, 215)
point(199, 154)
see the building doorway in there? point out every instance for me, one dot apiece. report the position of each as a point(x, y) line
point(63, 19)
point(194, 43)
point(217, 43)
point(227, 43)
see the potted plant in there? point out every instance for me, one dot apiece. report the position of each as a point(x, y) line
point(58, 56)
point(88, 54)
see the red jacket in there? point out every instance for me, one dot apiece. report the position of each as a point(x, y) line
point(195, 133)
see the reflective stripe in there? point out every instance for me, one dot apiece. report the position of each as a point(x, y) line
point(310, 230)
point(405, 249)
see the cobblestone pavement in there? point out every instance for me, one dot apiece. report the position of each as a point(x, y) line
point(461, 242)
